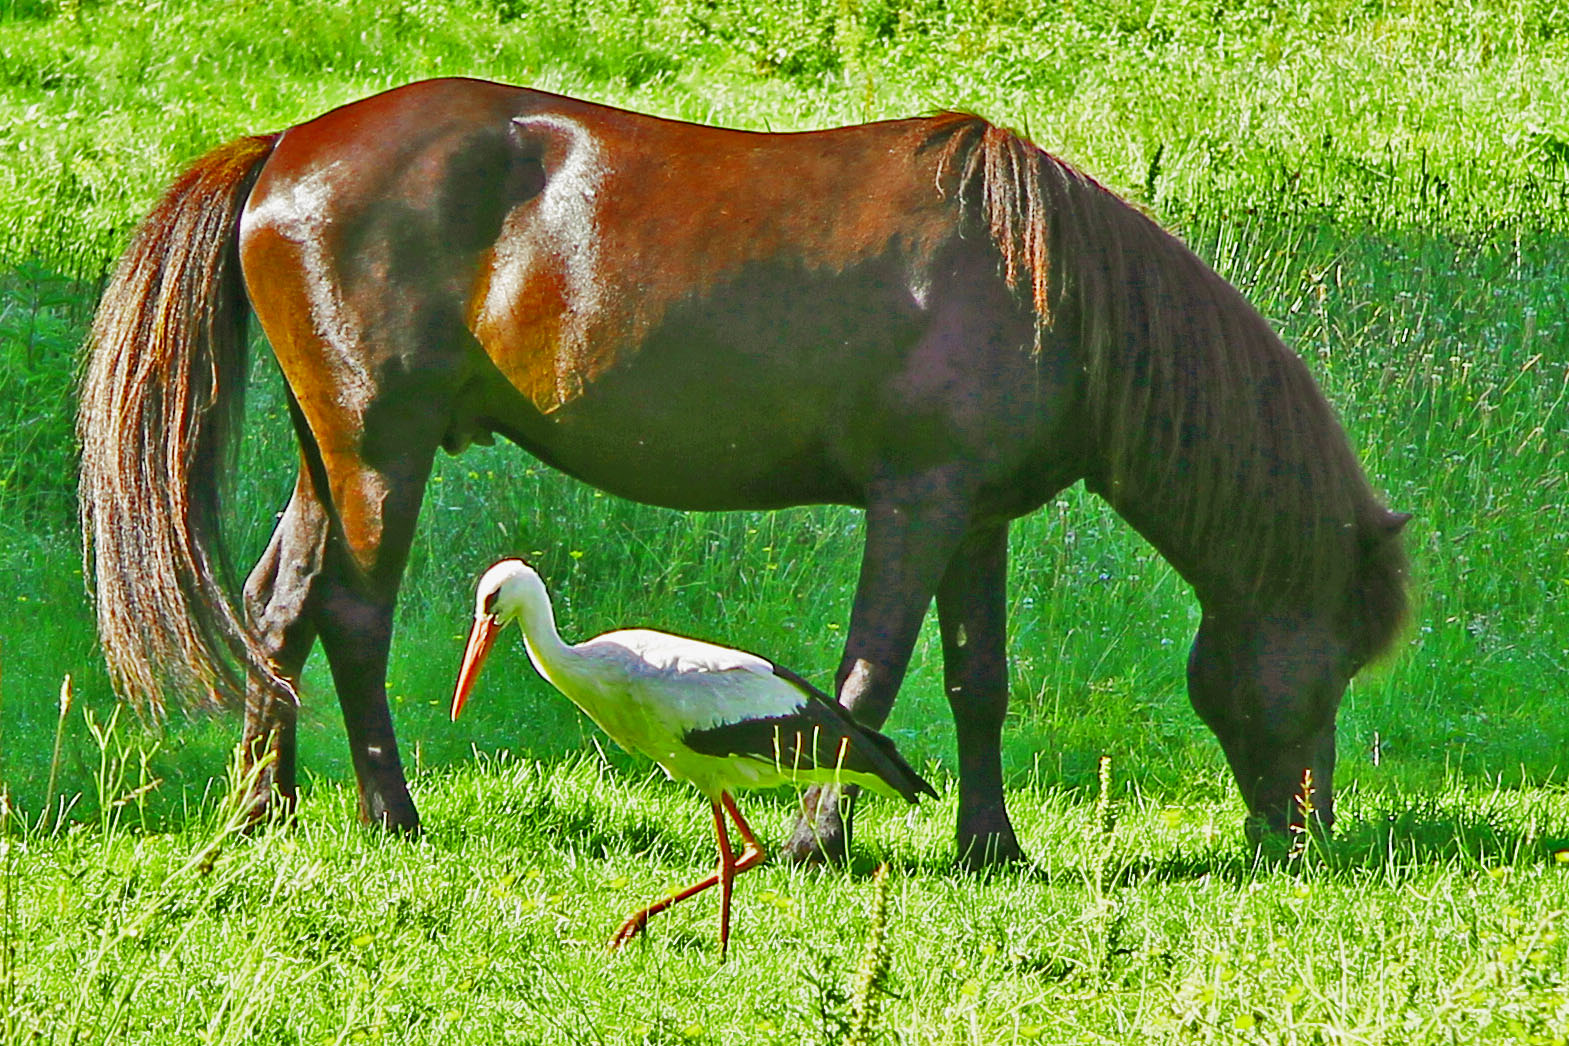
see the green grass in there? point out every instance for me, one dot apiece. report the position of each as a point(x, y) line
point(1386, 181)
point(1407, 113)
point(1436, 921)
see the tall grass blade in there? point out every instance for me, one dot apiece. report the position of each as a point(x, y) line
point(49, 812)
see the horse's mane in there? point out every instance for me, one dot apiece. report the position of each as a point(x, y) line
point(1209, 434)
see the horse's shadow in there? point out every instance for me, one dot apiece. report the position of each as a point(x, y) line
point(1416, 833)
point(1411, 834)
point(1403, 835)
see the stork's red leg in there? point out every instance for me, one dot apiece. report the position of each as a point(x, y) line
point(723, 876)
point(726, 879)
point(753, 855)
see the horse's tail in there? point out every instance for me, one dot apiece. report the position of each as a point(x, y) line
point(162, 393)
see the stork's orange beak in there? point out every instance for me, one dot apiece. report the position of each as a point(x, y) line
point(481, 638)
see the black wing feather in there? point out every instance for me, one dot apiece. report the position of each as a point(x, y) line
point(820, 733)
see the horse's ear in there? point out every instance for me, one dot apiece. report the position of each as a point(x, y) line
point(1395, 522)
point(1384, 527)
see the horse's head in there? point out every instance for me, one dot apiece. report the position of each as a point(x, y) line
point(1269, 681)
point(1269, 686)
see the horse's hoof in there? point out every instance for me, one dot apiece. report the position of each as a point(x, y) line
point(985, 839)
point(990, 852)
point(815, 844)
point(408, 828)
point(396, 817)
point(821, 834)
point(262, 808)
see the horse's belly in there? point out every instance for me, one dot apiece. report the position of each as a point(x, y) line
point(691, 455)
point(758, 394)
point(787, 385)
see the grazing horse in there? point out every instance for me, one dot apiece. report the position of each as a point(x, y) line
point(929, 318)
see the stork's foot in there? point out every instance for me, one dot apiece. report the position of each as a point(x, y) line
point(635, 924)
point(821, 834)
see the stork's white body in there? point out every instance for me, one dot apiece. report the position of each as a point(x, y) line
point(715, 716)
point(650, 690)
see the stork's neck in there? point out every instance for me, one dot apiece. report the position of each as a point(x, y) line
point(537, 619)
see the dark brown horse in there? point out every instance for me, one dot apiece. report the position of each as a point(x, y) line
point(928, 318)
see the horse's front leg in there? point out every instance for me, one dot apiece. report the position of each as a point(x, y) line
point(972, 612)
point(913, 524)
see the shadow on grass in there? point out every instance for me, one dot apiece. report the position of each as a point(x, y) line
point(1409, 836)
point(1403, 838)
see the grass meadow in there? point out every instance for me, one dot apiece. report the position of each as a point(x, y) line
point(1387, 180)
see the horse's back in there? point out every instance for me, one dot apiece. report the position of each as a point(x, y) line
point(688, 315)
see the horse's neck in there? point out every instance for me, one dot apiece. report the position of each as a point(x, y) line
point(1163, 533)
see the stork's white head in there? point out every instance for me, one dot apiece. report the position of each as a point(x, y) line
point(509, 591)
point(506, 590)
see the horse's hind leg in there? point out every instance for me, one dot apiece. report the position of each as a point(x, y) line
point(972, 614)
point(353, 612)
point(364, 306)
point(356, 633)
point(303, 587)
point(369, 448)
point(277, 594)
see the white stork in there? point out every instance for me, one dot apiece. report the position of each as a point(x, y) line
point(720, 718)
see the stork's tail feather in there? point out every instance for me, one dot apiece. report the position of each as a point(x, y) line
point(884, 762)
point(876, 751)
point(820, 741)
